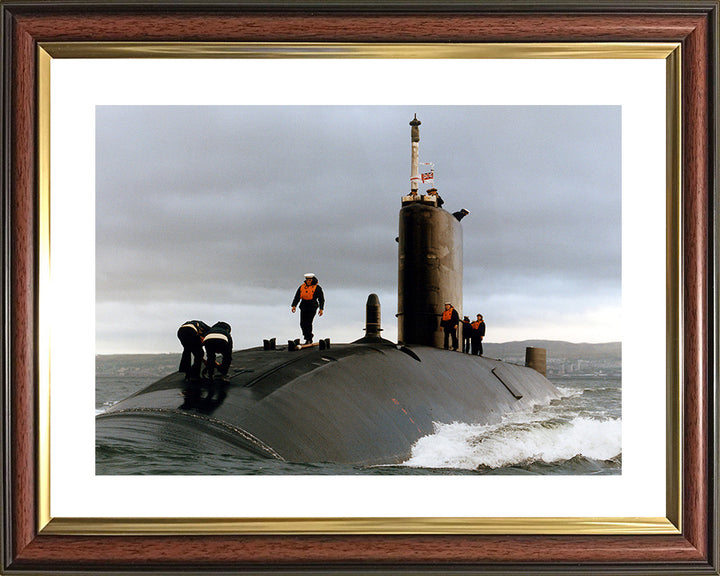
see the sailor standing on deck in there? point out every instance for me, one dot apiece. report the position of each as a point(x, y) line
point(477, 336)
point(466, 334)
point(191, 335)
point(311, 299)
point(449, 322)
point(218, 341)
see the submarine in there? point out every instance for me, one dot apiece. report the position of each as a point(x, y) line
point(365, 402)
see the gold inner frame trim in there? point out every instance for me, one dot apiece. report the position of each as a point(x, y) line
point(44, 362)
point(357, 525)
point(594, 50)
point(674, 311)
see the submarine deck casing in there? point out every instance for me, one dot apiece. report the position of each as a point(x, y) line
point(362, 403)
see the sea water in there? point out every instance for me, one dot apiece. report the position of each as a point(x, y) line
point(578, 434)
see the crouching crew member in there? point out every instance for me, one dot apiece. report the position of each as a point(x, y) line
point(191, 336)
point(478, 334)
point(449, 323)
point(218, 341)
point(312, 300)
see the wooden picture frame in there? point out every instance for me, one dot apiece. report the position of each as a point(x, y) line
point(30, 547)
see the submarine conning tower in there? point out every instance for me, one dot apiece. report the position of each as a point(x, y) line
point(430, 260)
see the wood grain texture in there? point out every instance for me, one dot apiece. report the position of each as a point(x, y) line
point(697, 200)
point(22, 281)
point(358, 28)
point(401, 551)
point(690, 551)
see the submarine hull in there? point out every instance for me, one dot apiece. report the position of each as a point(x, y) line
point(361, 403)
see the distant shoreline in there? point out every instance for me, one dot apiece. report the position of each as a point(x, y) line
point(556, 346)
point(564, 360)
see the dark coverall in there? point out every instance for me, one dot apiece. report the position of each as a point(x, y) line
point(310, 301)
point(466, 335)
point(218, 341)
point(450, 328)
point(478, 335)
point(190, 335)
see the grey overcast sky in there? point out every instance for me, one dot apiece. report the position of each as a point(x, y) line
point(216, 212)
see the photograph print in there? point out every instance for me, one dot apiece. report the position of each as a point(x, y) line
point(339, 290)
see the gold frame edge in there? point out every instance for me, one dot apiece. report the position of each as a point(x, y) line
point(280, 526)
point(44, 352)
point(568, 50)
point(674, 312)
point(357, 526)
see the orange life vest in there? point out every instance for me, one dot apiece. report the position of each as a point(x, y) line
point(475, 325)
point(307, 292)
point(447, 315)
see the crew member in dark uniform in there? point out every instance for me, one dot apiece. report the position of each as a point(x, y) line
point(438, 199)
point(218, 341)
point(312, 300)
point(466, 334)
point(449, 323)
point(478, 334)
point(191, 336)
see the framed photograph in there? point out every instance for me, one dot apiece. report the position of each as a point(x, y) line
point(92, 92)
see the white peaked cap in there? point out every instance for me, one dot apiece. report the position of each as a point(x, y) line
point(309, 275)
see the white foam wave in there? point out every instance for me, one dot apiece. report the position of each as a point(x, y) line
point(520, 440)
point(104, 407)
point(569, 392)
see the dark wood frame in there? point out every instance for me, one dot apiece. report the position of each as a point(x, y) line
point(25, 24)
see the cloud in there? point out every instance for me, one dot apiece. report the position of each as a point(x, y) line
point(229, 206)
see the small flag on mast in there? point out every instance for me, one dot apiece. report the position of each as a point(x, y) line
point(424, 177)
point(428, 177)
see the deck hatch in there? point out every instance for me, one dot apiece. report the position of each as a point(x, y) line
point(505, 375)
